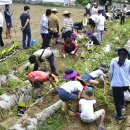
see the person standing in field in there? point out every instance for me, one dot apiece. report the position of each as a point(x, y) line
point(123, 15)
point(1, 29)
point(8, 20)
point(44, 29)
point(68, 26)
point(25, 27)
point(119, 76)
point(100, 25)
point(54, 24)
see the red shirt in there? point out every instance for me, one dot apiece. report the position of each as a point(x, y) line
point(42, 76)
point(72, 45)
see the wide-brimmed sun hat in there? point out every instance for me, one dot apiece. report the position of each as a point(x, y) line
point(69, 73)
point(124, 49)
point(54, 10)
point(66, 12)
point(89, 91)
point(103, 67)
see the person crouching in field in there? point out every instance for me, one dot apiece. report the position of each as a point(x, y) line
point(37, 79)
point(86, 106)
point(70, 91)
point(69, 47)
point(43, 55)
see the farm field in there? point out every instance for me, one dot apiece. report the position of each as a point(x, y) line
point(116, 36)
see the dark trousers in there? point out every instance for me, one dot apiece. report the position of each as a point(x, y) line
point(1, 40)
point(46, 40)
point(118, 95)
point(26, 33)
point(67, 35)
point(122, 21)
point(68, 49)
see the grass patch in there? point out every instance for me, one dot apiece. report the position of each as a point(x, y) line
point(52, 123)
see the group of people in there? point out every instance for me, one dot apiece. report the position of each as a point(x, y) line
point(79, 88)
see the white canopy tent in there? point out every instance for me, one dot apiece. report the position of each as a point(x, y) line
point(4, 2)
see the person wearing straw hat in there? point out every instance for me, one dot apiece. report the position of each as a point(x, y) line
point(1, 29)
point(54, 25)
point(86, 106)
point(37, 78)
point(119, 76)
point(68, 25)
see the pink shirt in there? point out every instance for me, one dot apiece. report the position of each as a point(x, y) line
point(43, 77)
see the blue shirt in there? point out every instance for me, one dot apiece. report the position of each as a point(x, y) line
point(7, 17)
point(44, 22)
point(119, 76)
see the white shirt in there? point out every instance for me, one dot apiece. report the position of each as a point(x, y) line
point(88, 6)
point(72, 86)
point(44, 22)
point(86, 108)
point(1, 20)
point(97, 73)
point(45, 55)
point(94, 17)
point(100, 22)
point(94, 11)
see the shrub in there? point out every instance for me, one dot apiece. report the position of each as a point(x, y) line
point(82, 2)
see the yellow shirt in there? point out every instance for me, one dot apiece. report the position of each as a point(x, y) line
point(85, 20)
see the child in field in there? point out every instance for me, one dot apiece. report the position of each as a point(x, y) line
point(86, 107)
point(37, 79)
point(98, 73)
point(69, 47)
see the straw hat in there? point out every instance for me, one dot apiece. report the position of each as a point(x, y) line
point(66, 12)
point(54, 10)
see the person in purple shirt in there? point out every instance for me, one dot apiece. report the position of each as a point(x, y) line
point(8, 20)
point(25, 27)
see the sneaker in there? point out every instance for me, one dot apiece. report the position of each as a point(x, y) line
point(101, 127)
point(123, 108)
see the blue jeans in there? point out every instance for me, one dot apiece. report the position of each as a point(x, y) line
point(100, 35)
point(66, 96)
point(51, 61)
point(26, 32)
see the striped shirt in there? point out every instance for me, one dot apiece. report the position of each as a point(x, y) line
point(68, 24)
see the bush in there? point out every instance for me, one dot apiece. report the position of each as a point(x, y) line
point(82, 2)
point(102, 2)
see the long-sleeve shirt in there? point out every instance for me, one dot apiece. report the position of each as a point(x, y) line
point(73, 45)
point(119, 76)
